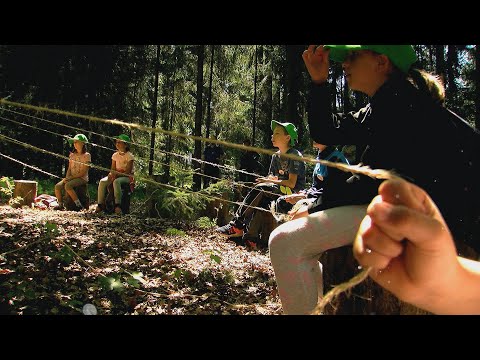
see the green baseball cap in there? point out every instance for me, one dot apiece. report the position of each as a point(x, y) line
point(291, 130)
point(78, 137)
point(402, 56)
point(124, 138)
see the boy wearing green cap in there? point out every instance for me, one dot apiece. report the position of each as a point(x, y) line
point(122, 173)
point(77, 172)
point(405, 113)
point(284, 177)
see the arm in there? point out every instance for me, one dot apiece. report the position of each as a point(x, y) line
point(68, 175)
point(325, 127)
point(405, 236)
point(112, 175)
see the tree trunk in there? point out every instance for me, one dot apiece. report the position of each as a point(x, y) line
point(209, 104)
point(197, 153)
point(294, 78)
point(451, 72)
point(25, 189)
point(254, 119)
point(477, 86)
point(154, 112)
point(440, 61)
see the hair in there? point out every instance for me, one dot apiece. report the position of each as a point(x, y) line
point(429, 84)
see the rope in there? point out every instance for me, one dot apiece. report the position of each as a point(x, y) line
point(357, 169)
point(184, 157)
point(117, 172)
point(30, 166)
point(337, 290)
point(100, 146)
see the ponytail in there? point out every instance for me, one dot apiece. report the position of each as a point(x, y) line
point(428, 83)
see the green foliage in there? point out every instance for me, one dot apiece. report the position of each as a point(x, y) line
point(45, 186)
point(65, 256)
point(7, 186)
point(111, 283)
point(178, 204)
point(49, 229)
point(204, 222)
point(213, 256)
point(174, 232)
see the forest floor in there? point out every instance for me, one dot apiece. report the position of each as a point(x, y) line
point(56, 262)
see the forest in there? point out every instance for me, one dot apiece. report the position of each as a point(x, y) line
point(162, 258)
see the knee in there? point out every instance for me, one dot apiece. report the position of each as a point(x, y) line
point(280, 239)
point(59, 186)
point(68, 186)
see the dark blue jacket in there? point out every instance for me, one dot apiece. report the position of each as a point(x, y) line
point(405, 131)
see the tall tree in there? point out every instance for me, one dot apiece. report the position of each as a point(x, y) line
point(440, 61)
point(452, 72)
point(254, 119)
point(209, 104)
point(197, 153)
point(154, 112)
point(294, 79)
point(477, 86)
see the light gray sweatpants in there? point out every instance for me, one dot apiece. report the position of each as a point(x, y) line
point(117, 188)
point(295, 248)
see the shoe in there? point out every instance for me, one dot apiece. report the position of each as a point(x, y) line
point(78, 208)
point(118, 210)
point(59, 207)
point(99, 208)
point(230, 230)
point(251, 244)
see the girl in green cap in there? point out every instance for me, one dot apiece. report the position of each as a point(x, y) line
point(122, 173)
point(77, 172)
point(405, 115)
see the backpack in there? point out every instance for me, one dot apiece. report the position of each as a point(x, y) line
point(468, 143)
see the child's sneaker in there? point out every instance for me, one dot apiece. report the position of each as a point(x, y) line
point(59, 207)
point(230, 230)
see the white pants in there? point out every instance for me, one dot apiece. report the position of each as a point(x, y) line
point(296, 246)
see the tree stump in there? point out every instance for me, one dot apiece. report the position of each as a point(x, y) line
point(110, 199)
point(25, 189)
point(152, 192)
point(83, 196)
point(219, 209)
point(268, 225)
point(367, 298)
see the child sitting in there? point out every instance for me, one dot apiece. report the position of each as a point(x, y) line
point(285, 176)
point(77, 172)
point(122, 161)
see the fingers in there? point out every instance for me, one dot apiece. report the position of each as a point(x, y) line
point(401, 192)
point(371, 252)
point(401, 222)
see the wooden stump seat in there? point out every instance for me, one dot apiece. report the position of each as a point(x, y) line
point(25, 189)
point(110, 199)
point(83, 196)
